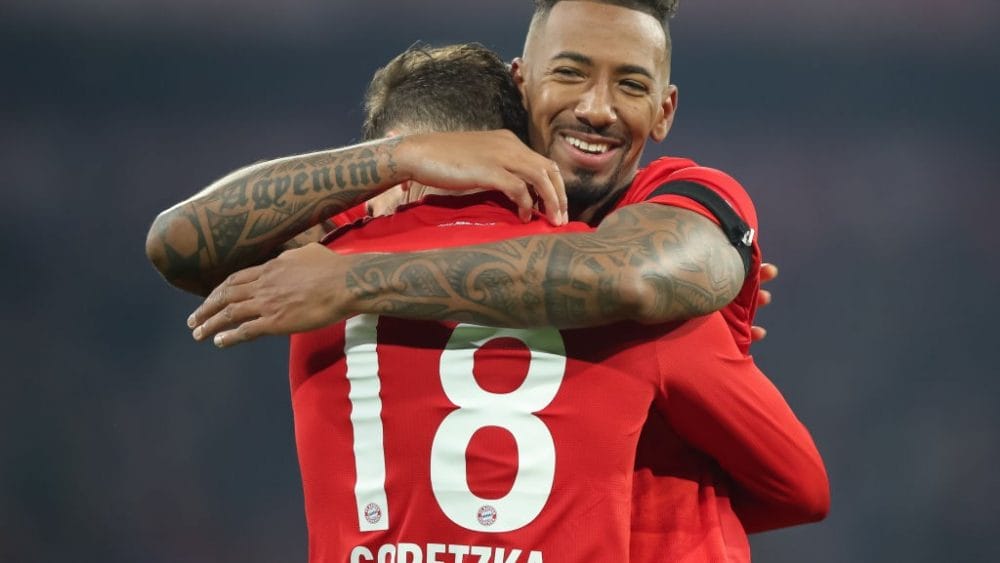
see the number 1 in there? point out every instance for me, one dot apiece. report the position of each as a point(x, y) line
point(366, 417)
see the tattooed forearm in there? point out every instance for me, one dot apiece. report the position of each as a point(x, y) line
point(246, 216)
point(647, 263)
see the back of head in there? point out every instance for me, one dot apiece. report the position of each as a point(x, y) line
point(455, 88)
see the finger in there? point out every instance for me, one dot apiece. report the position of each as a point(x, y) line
point(542, 182)
point(763, 297)
point(768, 272)
point(231, 315)
point(517, 191)
point(245, 332)
point(218, 301)
point(230, 291)
point(757, 333)
point(557, 182)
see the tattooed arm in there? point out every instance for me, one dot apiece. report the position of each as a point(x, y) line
point(244, 218)
point(646, 262)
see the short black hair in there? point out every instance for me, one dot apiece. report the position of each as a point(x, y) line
point(662, 10)
point(461, 87)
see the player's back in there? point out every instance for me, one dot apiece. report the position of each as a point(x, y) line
point(592, 388)
point(443, 439)
point(425, 441)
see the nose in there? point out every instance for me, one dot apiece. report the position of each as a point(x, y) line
point(596, 108)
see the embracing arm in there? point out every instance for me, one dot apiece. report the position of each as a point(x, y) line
point(722, 404)
point(244, 218)
point(745, 424)
point(646, 262)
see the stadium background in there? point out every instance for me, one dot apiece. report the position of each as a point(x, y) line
point(867, 134)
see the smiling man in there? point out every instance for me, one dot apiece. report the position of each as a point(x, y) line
point(592, 109)
point(594, 75)
point(595, 80)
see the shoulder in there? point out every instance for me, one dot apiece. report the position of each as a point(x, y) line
point(672, 169)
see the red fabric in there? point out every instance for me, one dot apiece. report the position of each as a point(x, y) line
point(351, 215)
point(739, 314)
point(666, 483)
point(662, 485)
point(721, 414)
point(449, 221)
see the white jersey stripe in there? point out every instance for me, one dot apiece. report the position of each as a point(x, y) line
point(366, 419)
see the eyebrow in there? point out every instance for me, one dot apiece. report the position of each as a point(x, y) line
point(585, 60)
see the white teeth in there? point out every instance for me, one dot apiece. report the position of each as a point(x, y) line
point(595, 148)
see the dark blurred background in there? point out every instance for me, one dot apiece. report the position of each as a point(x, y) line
point(867, 133)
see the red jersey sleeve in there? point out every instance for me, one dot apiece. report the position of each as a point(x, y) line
point(721, 403)
point(740, 312)
point(666, 170)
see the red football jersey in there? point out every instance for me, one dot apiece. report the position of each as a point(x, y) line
point(423, 441)
point(740, 312)
point(666, 483)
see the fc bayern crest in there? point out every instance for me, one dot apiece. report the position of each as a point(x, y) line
point(486, 515)
point(373, 513)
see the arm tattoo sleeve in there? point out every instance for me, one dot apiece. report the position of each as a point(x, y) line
point(646, 262)
point(242, 219)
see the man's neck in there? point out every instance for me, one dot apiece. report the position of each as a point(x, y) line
point(593, 213)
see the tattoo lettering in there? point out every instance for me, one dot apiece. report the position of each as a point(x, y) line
point(245, 217)
point(234, 196)
point(261, 194)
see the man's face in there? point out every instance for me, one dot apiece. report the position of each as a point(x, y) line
point(595, 81)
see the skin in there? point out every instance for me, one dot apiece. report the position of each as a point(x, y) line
point(618, 94)
point(647, 262)
point(768, 273)
point(410, 191)
point(249, 216)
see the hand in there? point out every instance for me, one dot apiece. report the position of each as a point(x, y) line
point(295, 292)
point(767, 273)
point(386, 202)
point(487, 159)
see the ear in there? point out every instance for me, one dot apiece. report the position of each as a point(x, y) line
point(517, 72)
point(666, 112)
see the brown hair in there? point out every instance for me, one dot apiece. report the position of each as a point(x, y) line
point(454, 88)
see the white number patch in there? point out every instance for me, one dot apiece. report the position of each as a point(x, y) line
point(477, 409)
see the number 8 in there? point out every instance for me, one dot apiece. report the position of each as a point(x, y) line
point(477, 408)
point(512, 411)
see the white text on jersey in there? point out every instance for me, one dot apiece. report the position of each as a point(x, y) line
point(441, 553)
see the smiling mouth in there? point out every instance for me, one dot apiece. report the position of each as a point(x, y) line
point(589, 148)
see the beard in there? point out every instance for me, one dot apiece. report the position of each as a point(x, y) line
point(587, 194)
point(587, 188)
point(584, 190)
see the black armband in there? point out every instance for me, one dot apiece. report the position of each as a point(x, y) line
point(736, 229)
